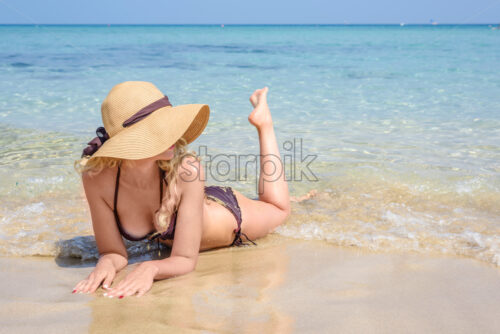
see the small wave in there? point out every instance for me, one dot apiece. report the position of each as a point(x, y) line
point(391, 217)
point(57, 227)
point(20, 64)
point(85, 248)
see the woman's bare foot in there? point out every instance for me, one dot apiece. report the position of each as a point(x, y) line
point(310, 194)
point(260, 116)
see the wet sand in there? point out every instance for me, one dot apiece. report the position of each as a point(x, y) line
point(281, 286)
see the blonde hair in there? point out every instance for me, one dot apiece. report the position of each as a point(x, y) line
point(170, 199)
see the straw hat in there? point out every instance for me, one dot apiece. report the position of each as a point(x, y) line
point(140, 122)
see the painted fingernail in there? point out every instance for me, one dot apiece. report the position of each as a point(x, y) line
point(74, 291)
point(105, 294)
point(121, 297)
point(105, 286)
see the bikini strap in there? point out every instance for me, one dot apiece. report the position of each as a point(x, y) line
point(162, 178)
point(248, 238)
point(116, 188)
point(161, 185)
point(115, 207)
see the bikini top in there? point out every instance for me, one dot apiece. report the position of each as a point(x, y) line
point(222, 195)
point(165, 235)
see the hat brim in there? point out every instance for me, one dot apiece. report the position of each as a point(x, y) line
point(157, 132)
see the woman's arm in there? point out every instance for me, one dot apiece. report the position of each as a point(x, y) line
point(107, 236)
point(186, 246)
point(118, 261)
point(112, 251)
point(188, 230)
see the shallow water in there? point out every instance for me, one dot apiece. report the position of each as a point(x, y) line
point(404, 123)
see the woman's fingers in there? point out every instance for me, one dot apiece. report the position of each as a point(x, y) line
point(82, 286)
point(119, 289)
point(133, 289)
point(90, 285)
point(141, 292)
point(95, 284)
point(139, 280)
point(124, 289)
point(130, 291)
point(103, 273)
point(93, 277)
point(78, 286)
point(87, 284)
point(107, 282)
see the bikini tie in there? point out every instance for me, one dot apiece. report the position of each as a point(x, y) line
point(156, 235)
point(238, 241)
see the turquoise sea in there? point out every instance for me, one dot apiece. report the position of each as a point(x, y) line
point(404, 122)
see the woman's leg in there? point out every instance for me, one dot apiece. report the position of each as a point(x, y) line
point(273, 207)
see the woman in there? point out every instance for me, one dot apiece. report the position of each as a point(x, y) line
point(141, 146)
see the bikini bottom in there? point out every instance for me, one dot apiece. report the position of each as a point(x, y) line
point(224, 196)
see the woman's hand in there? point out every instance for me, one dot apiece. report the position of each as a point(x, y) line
point(104, 271)
point(138, 281)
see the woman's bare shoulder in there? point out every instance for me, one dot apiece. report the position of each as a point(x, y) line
point(101, 183)
point(106, 175)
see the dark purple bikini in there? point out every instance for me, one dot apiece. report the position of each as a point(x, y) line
point(219, 194)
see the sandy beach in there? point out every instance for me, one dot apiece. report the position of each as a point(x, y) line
point(281, 286)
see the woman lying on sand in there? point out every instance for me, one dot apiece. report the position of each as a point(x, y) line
point(140, 182)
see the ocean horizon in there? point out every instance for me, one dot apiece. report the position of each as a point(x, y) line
point(421, 24)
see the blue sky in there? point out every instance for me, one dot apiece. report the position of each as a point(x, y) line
point(248, 12)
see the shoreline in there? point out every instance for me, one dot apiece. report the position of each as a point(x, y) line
point(281, 286)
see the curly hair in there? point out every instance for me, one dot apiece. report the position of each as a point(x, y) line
point(171, 199)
